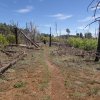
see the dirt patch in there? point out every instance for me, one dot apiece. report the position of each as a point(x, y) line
point(26, 80)
point(58, 91)
point(82, 80)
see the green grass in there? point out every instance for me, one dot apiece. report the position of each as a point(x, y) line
point(86, 44)
point(93, 91)
point(46, 75)
point(19, 84)
point(46, 97)
point(43, 85)
point(78, 95)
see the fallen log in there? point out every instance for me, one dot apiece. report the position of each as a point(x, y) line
point(33, 43)
point(80, 55)
point(23, 46)
point(26, 46)
point(11, 51)
point(19, 57)
point(7, 53)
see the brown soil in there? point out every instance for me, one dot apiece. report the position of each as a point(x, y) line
point(33, 73)
point(40, 76)
point(58, 90)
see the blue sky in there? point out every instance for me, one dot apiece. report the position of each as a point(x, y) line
point(70, 14)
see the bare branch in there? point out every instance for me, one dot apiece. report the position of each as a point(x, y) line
point(90, 4)
point(92, 23)
point(97, 18)
point(96, 8)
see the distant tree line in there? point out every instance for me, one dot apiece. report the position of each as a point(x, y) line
point(86, 35)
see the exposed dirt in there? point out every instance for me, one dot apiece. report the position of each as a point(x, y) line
point(58, 91)
point(82, 79)
point(27, 80)
point(41, 76)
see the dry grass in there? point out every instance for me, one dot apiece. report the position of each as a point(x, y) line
point(82, 79)
point(27, 80)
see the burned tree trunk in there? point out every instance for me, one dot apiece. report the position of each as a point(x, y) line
point(50, 38)
point(16, 35)
point(98, 47)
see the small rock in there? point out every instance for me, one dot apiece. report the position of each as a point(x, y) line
point(10, 71)
point(78, 83)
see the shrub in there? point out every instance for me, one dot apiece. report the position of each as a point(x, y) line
point(42, 38)
point(11, 38)
point(86, 44)
point(3, 40)
point(19, 84)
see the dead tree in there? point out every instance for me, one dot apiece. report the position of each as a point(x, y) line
point(98, 47)
point(50, 38)
point(32, 42)
point(96, 8)
point(16, 35)
point(33, 31)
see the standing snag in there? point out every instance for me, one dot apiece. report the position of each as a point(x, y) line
point(96, 19)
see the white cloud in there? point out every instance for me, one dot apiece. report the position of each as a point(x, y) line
point(89, 18)
point(80, 27)
point(86, 19)
point(25, 10)
point(94, 8)
point(61, 16)
point(83, 27)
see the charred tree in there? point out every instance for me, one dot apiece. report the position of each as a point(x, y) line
point(96, 19)
point(16, 35)
point(50, 38)
point(98, 47)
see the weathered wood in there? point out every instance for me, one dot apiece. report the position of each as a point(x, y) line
point(80, 55)
point(16, 35)
point(10, 51)
point(33, 43)
point(23, 46)
point(19, 57)
point(50, 38)
point(26, 46)
point(7, 53)
point(98, 47)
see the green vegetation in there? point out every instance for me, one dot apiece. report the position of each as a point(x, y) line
point(19, 84)
point(94, 91)
point(11, 38)
point(6, 29)
point(86, 44)
point(6, 34)
point(46, 38)
point(46, 97)
point(3, 40)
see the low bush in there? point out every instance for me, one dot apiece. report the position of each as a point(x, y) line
point(3, 40)
point(11, 38)
point(86, 44)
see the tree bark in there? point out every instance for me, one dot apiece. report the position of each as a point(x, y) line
point(16, 35)
point(19, 57)
point(98, 47)
point(50, 38)
point(33, 43)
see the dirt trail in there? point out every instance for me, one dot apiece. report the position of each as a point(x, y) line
point(57, 88)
